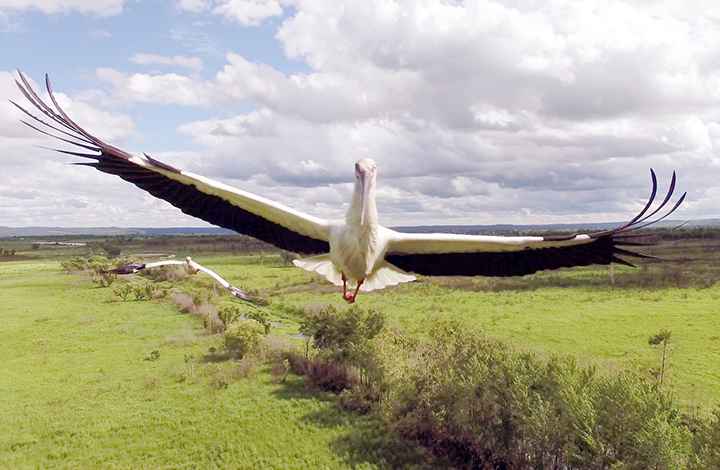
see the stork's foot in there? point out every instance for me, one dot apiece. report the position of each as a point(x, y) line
point(350, 298)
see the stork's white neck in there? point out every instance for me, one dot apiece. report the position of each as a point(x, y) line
point(353, 215)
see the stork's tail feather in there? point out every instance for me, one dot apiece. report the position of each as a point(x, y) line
point(323, 265)
point(386, 275)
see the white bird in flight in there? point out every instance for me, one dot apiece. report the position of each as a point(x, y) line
point(356, 250)
point(191, 267)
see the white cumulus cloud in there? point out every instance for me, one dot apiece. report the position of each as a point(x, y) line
point(95, 7)
point(192, 63)
point(473, 110)
point(245, 12)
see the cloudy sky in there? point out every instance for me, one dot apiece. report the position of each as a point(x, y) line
point(477, 112)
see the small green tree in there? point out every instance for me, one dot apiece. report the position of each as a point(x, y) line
point(663, 343)
point(244, 335)
point(229, 314)
point(342, 333)
point(123, 290)
point(344, 339)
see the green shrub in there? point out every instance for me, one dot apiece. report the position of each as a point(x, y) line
point(243, 336)
point(74, 264)
point(138, 290)
point(143, 290)
point(331, 374)
point(344, 339)
point(343, 335)
point(231, 313)
point(123, 290)
point(706, 443)
point(479, 403)
point(228, 314)
point(97, 265)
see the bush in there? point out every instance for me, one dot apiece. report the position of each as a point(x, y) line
point(74, 264)
point(123, 290)
point(299, 364)
point(343, 335)
point(243, 336)
point(333, 375)
point(344, 339)
point(96, 265)
point(209, 315)
point(479, 403)
point(706, 445)
point(138, 290)
point(230, 313)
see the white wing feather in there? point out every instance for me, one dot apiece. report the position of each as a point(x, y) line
point(437, 243)
point(281, 214)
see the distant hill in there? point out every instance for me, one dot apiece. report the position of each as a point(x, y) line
point(551, 227)
point(108, 231)
point(114, 231)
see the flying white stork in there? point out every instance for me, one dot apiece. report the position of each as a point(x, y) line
point(191, 267)
point(356, 250)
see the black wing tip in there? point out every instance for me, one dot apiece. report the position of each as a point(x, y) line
point(620, 235)
point(641, 220)
point(127, 269)
point(242, 295)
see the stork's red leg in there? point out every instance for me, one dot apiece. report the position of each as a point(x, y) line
point(351, 298)
point(345, 294)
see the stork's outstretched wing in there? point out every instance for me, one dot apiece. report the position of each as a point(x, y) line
point(437, 254)
point(195, 195)
point(133, 268)
point(137, 267)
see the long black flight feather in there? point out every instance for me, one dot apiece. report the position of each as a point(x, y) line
point(187, 198)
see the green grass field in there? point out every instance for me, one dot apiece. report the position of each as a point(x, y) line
point(89, 381)
point(78, 391)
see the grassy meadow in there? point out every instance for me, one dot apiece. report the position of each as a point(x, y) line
point(91, 381)
point(79, 390)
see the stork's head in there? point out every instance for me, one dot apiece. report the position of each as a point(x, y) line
point(365, 174)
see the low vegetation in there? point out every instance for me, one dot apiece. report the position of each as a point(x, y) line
point(589, 368)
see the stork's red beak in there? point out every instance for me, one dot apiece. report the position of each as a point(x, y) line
point(365, 181)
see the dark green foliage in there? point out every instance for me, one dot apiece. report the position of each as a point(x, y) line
point(481, 404)
point(231, 313)
point(243, 336)
point(98, 267)
point(331, 374)
point(343, 334)
point(154, 355)
point(343, 338)
point(706, 445)
point(135, 290)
